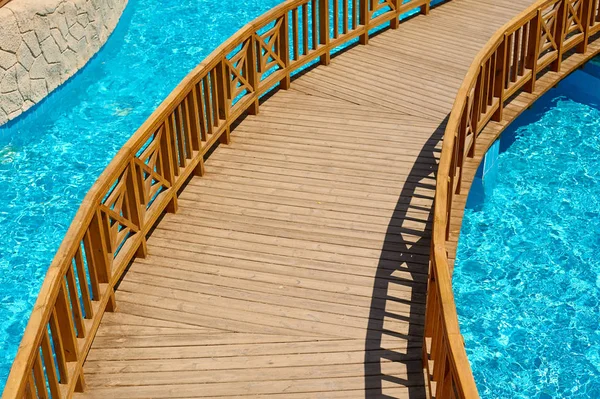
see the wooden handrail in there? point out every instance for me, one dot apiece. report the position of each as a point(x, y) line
point(143, 179)
point(534, 42)
point(4, 2)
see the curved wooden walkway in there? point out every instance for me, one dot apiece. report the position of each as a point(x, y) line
point(297, 266)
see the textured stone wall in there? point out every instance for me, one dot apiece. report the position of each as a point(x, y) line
point(44, 42)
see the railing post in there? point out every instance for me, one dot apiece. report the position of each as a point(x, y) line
point(475, 112)
point(363, 17)
point(395, 23)
point(99, 249)
point(586, 14)
point(133, 189)
point(221, 80)
point(499, 79)
point(252, 68)
point(166, 153)
point(324, 30)
point(531, 61)
point(561, 17)
point(284, 50)
point(426, 7)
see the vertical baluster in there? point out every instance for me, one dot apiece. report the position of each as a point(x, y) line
point(178, 136)
point(48, 360)
point(354, 14)
point(395, 22)
point(214, 91)
point(437, 332)
point(516, 51)
point(439, 370)
point(65, 324)
point(91, 263)
point(295, 33)
point(472, 100)
point(207, 103)
point(167, 153)
point(524, 43)
point(315, 24)
point(499, 83)
point(559, 34)
point(187, 127)
point(509, 63)
point(75, 306)
point(194, 129)
point(305, 28)
point(30, 391)
point(171, 135)
point(324, 30)
point(364, 15)
point(83, 284)
point(491, 77)
point(461, 137)
point(252, 71)
point(200, 106)
point(486, 70)
point(40, 379)
point(345, 16)
point(284, 50)
point(533, 50)
point(191, 105)
point(59, 349)
point(99, 249)
point(335, 19)
point(136, 212)
point(449, 210)
point(447, 389)
point(586, 13)
point(220, 83)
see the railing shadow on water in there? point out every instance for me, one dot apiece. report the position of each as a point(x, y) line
point(397, 254)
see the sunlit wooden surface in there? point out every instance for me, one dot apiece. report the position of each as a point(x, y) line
point(297, 265)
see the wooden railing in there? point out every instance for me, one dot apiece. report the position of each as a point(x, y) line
point(535, 42)
point(144, 178)
point(4, 2)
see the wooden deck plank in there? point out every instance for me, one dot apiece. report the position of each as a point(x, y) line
point(297, 266)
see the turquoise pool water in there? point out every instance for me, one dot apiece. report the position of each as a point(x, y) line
point(51, 156)
point(527, 279)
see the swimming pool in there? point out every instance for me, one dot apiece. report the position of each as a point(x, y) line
point(527, 276)
point(50, 157)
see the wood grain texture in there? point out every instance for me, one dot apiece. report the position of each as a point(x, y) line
point(296, 266)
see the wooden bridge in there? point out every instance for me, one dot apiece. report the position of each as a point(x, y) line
point(294, 260)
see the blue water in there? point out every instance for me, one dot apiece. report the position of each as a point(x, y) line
point(50, 157)
point(527, 277)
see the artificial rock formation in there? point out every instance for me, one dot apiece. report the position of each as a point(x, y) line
point(44, 42)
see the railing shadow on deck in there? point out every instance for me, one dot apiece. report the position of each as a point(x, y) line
point(398, 255)
point(144, 178)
